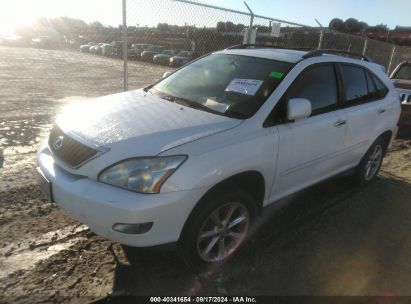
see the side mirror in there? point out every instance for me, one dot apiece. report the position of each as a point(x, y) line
point(298, 108)
point(168, 73)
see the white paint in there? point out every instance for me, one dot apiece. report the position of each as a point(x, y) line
point(290, 156)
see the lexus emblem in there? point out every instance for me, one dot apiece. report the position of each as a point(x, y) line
point(58, 143)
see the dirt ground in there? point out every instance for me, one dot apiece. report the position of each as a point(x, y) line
point(331, 239)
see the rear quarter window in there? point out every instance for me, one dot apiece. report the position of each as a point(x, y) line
point(361, 85)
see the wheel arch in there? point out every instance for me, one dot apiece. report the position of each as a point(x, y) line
point(387, 137)
point(252, 182)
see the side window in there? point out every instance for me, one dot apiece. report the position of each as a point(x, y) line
point(355, 82)
point(361, 85)
point(382, 90)
point(318, 84)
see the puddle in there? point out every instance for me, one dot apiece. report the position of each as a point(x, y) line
point(25, 255)
point(26, 260)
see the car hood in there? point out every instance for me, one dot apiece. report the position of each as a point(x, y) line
point(137, 123)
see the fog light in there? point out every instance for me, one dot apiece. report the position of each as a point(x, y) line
point(133, 228)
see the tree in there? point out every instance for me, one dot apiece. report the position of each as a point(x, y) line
point(220, 26)
point(162, 27)
point(230, 27)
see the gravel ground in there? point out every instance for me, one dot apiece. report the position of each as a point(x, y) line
point(331, 239)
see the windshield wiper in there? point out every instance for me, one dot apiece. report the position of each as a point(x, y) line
point(188, 103)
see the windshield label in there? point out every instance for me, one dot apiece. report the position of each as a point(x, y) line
point(276, 75)
point(244, 86)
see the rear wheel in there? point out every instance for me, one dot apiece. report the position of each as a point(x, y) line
point(370, 165)
point(217, 228)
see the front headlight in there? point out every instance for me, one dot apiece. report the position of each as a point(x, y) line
point(145, 175)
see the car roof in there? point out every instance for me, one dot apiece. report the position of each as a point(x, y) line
point(286, 55)
point(292, 55)
point(295, 56)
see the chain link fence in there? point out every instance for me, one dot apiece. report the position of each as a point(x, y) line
point(184, 25)
point(69, 57)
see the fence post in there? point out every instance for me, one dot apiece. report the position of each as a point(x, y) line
point(125, 55)
point(250, 29)
point(320, 42)
point(365, 46)
point(391, 59)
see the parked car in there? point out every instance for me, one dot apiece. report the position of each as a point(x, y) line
point(117, 48)
point(94, 49)
point(99, 50)
point(164, 57)
point(402, 81)
point(85, 48)
point(194, 158)
point(108, 50)
point(181, 58)
point(136, 49)
point(153, 50)
point(43, 42)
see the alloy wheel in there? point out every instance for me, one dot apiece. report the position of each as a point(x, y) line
point(223, 231)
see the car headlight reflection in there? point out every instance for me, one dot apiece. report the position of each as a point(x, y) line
point(145, 175)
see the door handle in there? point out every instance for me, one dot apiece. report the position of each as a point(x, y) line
point(381, 110)
point(340, 123)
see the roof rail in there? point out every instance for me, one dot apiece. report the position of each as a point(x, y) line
point(264, 46)
point(320, 52)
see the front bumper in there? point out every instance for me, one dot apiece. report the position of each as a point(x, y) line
point(100, 206)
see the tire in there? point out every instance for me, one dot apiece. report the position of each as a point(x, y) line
point(370, 164)
point(206, 252)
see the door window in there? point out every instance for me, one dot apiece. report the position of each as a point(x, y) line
point(317, 84)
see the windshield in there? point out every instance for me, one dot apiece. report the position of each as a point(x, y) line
point(230, 85)
point(404, 72)
point(168, 52)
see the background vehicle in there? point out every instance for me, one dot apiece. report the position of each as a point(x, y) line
point(95, 48)
point(86, 47)
point(164, 57)
point(402, 81)
point(117, 48)
point(108, 50)
point(42, 42)
point(194, 158)
point(181, 58)
point(136, 49)
point(153, 50)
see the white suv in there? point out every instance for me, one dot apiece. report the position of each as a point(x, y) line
point(195, 157)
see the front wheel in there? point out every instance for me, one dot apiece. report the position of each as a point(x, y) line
point(370, 165)
point(217, 228)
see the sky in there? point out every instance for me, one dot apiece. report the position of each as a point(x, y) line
point(14, 13)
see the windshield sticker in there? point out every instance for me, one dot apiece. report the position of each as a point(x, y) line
point(244, 86)
point(276, 75)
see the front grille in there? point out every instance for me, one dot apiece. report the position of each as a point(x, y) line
point(69, 150)
point(405, 98)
